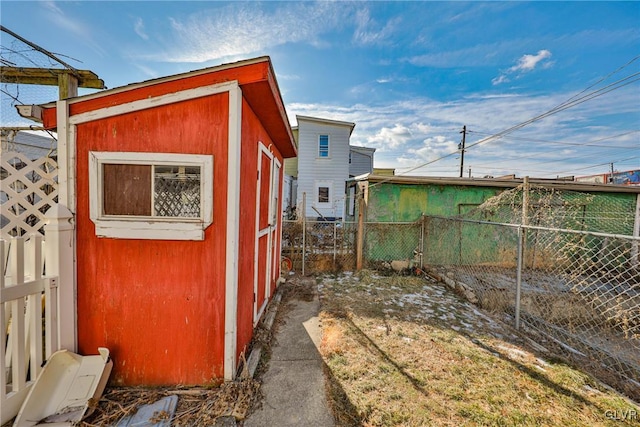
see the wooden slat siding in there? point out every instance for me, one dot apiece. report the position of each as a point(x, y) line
point(263, 247)
point(127, 189)
point(263, 231)
point(277, 238)
point(360, 163)
point(312, 168)
point(246, 74)
point(256, 80)
point(265, 183)
point(156, 304)
point(253, 131)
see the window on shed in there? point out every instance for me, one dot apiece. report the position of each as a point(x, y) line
point(323, 194)
point(323, 146)
point(171, 191)
point(159, 196)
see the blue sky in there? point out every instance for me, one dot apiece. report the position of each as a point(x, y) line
point(409, 74)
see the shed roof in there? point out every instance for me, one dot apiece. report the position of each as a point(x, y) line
point(255, 77)
point(504, 183)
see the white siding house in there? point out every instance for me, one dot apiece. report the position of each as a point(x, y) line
point(323, 165)
point(360, 160)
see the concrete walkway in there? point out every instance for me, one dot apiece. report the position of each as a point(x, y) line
point(293, 386)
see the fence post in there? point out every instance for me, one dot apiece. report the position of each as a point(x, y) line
point(525, 213)
point(304, 230)
point(423, 219)
point(519, 274)
point(59, 242)
point(360, 239)
point(335, 242)
point(635, 247)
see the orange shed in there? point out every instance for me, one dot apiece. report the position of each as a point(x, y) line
point(175, 185)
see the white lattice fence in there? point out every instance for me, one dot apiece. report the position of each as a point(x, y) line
point(27, 189)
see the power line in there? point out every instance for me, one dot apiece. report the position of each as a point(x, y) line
point(603, 164)
point(569, 103)
point(536, 154)
point(582, 144)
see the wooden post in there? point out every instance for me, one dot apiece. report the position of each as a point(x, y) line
point(525, 217)
point(360, 238)
point(59, 258)
point(635, 247)
point(67, 85)
point(304, 230)
point(522, 242)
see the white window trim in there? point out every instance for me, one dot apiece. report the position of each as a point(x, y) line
point(328, 146)
point(328, 184)
point(150, 227)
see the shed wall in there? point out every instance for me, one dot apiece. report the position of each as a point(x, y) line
point(157, 305)
point(252, 133)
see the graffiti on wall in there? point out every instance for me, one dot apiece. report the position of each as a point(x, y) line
point(626, 178)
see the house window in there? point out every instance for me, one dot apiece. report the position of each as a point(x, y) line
point(323, 146)
point(323, 194)
point(151, 195)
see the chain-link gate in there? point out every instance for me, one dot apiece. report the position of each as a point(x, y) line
point(319, 246)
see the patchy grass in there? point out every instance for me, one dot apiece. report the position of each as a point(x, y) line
point(402, 351)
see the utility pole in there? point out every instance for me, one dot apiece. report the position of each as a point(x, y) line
point(461, 147)
point(469, 171)
point(611, 176)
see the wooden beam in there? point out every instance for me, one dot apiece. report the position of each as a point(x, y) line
point(49, 76)
point(67, 86)
point(33, 112)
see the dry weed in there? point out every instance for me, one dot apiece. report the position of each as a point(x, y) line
point(406, 352)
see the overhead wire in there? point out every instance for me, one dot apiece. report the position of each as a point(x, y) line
point(582, 144)
point(573, 101)
point(569, 103)
point(612, 149)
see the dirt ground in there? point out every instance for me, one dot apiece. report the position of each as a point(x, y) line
point(406, 351)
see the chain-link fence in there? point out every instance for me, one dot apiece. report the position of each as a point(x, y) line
point(560, 265)
point(319, 246)
point(578, 291)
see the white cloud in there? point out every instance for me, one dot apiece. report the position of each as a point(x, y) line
point(138, 27)
point(76, 27)
point(148, 71)
point(368, 31)
point(474, 56)
point(243, 28)
point(389, 138)
point(419, 130)
point(433, 148)
point(525, 64)
point(529, 62)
